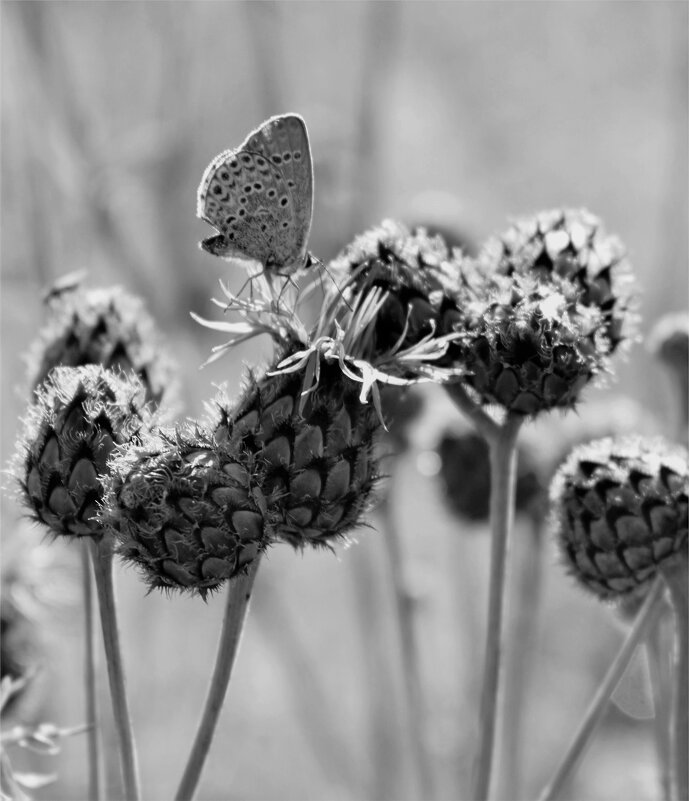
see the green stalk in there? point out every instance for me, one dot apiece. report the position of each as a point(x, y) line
point(90, 671)
point(238, 597)
point(503, 469)
point(646, 618)
point(676, 580)
point(521, 646)
point(409, 652)
point(102, 557)
point(660, 665)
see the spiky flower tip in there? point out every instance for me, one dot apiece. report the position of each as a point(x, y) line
point(620, 513)
point(79, 417)
point(109, 327)
point(571, 245)
point(408, 280)
point(314, 443)
point(187, 513)
point(528, 346)
point(465, 476)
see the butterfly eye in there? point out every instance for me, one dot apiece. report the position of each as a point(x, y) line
point(277, 159)
point(297, 155)
point(286, 157)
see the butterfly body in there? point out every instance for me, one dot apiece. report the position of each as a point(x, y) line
point(259, 197)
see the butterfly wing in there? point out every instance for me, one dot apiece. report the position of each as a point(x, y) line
point(259, 197)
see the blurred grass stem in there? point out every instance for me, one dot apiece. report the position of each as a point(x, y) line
point(238, 596)
point(102, 557)
point(90, 671)
point(409, 650)
point(676, 580)
point(503, 470)
point(660, 665)
point(646, 618)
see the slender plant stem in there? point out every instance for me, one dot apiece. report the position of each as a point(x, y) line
point(503, 468)
point(483, 422)
point(238, 596)
point(646, 618)
point(90, 671)
point(409, 652)
point(521, 646)
point(676, 580)
point(660, 664)
point(102, 557)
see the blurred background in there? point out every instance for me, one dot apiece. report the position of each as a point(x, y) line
point(456, 115)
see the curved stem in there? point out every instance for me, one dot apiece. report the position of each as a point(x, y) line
point(238, 596)
point(676, 580)
point(102, 557)
point(646, 618)
point(483, 422)
point(503, 468)
point(90, 670)
point(409, 652)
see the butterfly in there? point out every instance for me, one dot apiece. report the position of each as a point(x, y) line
point(259, 197)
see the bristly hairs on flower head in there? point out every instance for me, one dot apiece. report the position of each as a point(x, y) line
point(107, 326)
point(79, 417)
point(544, 308)
point(387, 274)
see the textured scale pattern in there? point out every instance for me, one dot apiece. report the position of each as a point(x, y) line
point(80, 416)
point(413, 269)
point(190, 516)
point(109, 327)
point(259, 197)
point(319, 465)
point(571, 244)
point(620, 512)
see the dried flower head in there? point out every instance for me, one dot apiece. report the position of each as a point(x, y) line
point(571, 245)
point(109, 327)
point(620, 512)
point(189, 514)
point(314, 445)
point(79, 416)
point(407, 274)
point(543, 309)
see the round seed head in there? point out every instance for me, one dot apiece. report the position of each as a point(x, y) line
point(79, 417)
point(188, 514)
point(408, 273)
point(102, 326)
point(315, 452)
point(571, 245)
point(620, 512)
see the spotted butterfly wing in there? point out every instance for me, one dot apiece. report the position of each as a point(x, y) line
point(259, 197)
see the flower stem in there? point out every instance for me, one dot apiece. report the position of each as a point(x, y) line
point(102, 557)
point(409, 652)
point(238, 596)
point(646, 618)
point(90, 670)
point(503, 468)
point(660, 664)
point(521, 647)
point(676, 580)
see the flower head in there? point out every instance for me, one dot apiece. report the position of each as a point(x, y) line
point(620, 512)
point(108, 327)
point(80, 415)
